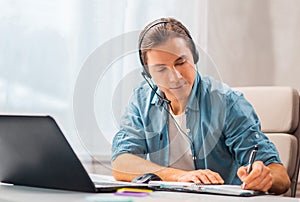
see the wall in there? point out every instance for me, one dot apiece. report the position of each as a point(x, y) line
point(255, 42)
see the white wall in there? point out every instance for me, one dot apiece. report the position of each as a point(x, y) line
point(255, 42)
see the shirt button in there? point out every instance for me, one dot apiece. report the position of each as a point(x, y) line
point(257, 135)
point(188, 130)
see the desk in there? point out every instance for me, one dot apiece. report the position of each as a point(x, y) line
point(24, 194)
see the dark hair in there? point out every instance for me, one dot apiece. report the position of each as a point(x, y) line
point(158, 32)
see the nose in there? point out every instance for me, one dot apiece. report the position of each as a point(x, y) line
point(175, 75)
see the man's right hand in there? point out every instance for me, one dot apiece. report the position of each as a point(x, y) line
point(200, 177)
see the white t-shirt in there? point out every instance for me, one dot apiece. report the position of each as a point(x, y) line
point(180, 149)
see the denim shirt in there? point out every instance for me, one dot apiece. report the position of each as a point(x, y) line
point(222, 126)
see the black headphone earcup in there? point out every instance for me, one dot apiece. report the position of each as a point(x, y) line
point(196, 56)
point(145, 73)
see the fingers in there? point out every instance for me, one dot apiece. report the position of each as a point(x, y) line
point(209, 177)
point(202, 177)
point(263, 184)
point(219, 179)
point(195, 179)
point(242, 172)
point(260, 177)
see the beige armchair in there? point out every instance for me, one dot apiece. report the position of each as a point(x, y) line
point(278, 111)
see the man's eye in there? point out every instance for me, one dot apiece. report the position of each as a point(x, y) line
point(181, 62)
point(161, 69)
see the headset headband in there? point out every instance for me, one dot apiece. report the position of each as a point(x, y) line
point(143, 35)
point(163, 21)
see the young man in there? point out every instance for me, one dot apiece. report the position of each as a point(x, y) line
point(183, 127)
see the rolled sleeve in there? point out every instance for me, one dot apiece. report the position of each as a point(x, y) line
point(124, 143)
point(243, 132)
point(131, 137)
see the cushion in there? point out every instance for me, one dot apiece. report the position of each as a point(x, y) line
point(277, 107)
point(286, 145)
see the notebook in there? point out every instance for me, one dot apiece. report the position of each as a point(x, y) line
point(232, 190)
point(34, 152)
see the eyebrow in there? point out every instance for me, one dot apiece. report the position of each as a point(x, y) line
point(162, 65)
point(181, 57)
point(157, 65)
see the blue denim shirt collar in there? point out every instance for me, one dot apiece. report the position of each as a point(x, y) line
point(156, 99)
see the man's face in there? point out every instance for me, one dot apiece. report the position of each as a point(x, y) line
point(171, 66)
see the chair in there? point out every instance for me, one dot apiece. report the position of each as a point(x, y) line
point(278, 112)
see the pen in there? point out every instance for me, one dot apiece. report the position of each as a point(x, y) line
point(251, 161)
point(252, 158)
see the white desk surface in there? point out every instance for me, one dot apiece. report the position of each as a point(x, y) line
point(24, 194)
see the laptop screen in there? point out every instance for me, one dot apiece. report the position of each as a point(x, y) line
point(34, 152)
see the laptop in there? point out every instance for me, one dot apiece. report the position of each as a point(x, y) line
point(34, 152)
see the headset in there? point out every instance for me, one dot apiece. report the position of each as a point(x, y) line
point(146, 75)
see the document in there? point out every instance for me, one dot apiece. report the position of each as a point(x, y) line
point(233, 190)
